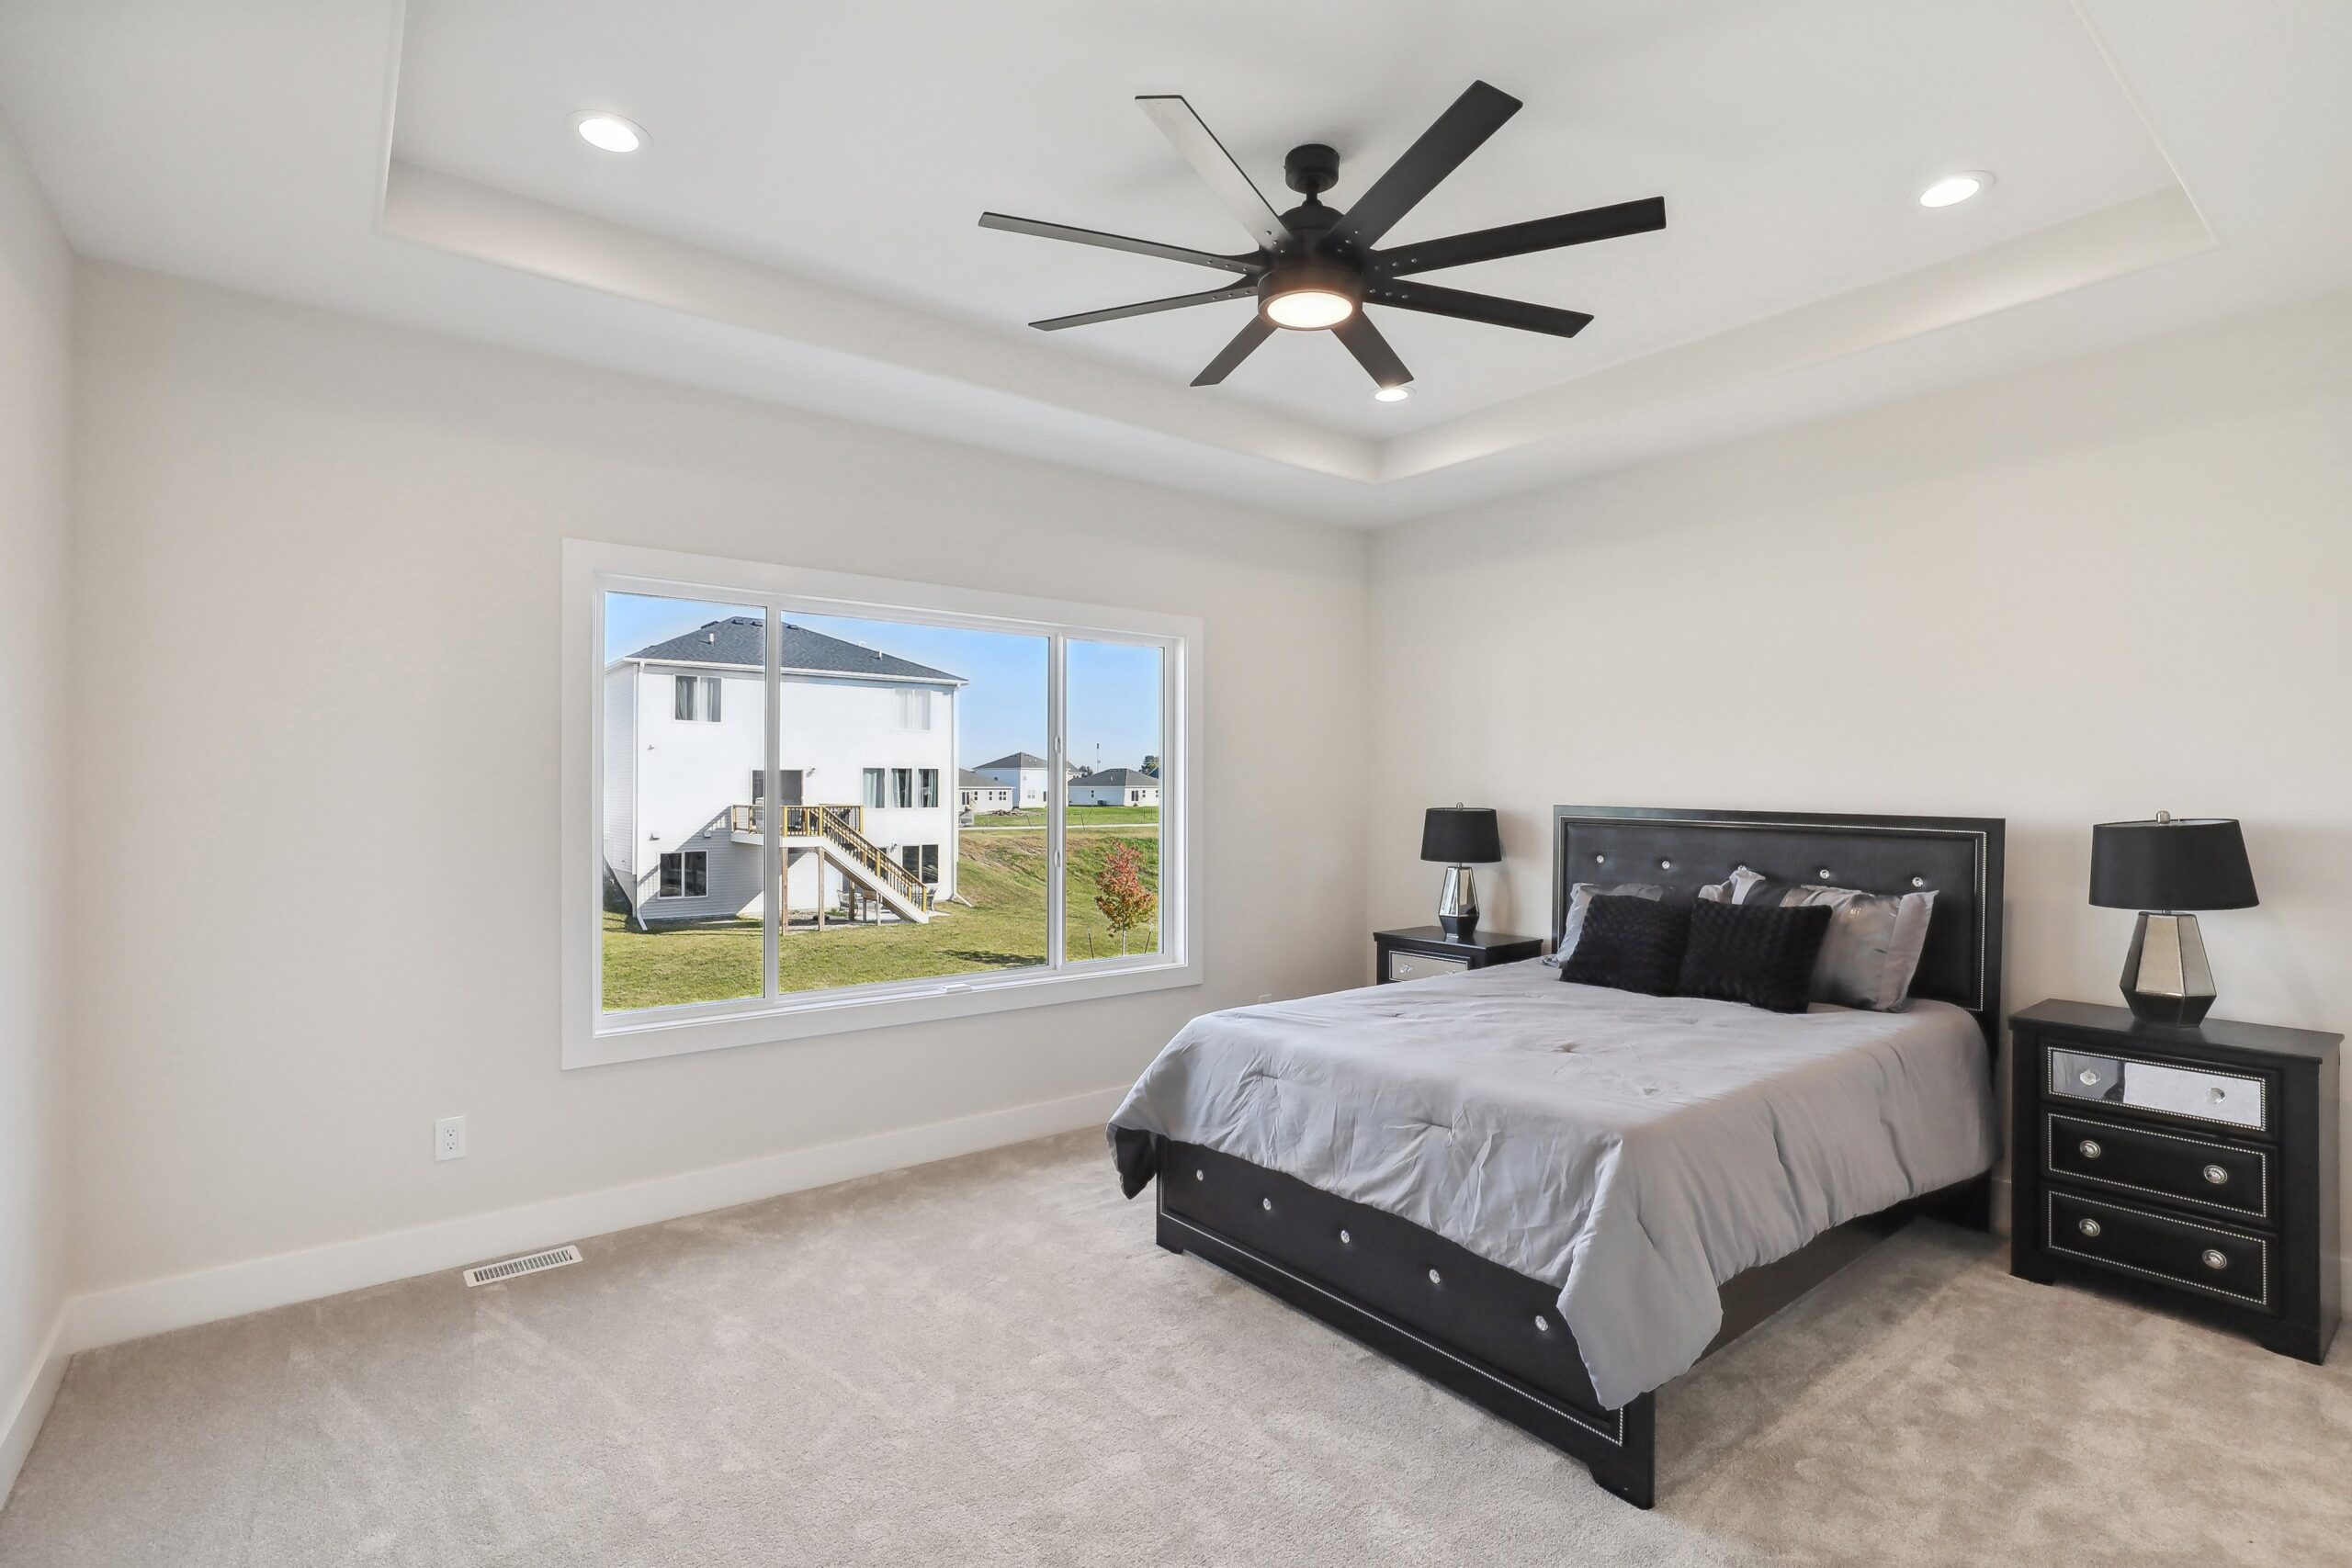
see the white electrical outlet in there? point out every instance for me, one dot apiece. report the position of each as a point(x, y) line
point(449, 1138)
point(1265, 996)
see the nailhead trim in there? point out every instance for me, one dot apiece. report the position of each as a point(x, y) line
point(2261, 1176)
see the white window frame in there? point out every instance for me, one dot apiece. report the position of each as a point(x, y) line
point(593, 1037)
point(682, 855)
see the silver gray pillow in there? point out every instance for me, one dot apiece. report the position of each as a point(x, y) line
point(1582, 894)
point(1873, 944)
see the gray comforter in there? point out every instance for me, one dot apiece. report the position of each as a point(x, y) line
point(1635, 1151)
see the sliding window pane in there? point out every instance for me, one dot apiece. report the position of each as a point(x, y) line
point(892, 874)
point(685, 739)
point(1112, 828)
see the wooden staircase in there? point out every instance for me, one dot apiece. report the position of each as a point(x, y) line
point(833, 834)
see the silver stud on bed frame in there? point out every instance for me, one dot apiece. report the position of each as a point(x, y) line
point(1543, 1324)
point(1345, 1238)
point(1434, 1279)
point(1267, 1205)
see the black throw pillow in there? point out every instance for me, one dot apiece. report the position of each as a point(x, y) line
point(1630, 943)
point(1758, 953)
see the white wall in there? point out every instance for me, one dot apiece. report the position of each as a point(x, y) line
point(36, 336)
point(2109, 587)
point(310, 536)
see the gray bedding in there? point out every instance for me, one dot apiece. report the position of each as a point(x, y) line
point(1635, 1151)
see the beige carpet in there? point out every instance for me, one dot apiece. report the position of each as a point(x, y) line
point(988, 1361)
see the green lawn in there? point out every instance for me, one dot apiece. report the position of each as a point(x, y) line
point(1002, 874)
point(1080, 816)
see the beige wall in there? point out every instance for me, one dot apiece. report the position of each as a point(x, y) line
point(318, 564)
point(35, 359)
point(2100, 590)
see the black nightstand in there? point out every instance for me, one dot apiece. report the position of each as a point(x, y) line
point(1419, 952)
point(2197, 1162)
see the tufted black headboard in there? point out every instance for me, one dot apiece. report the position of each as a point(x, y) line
point(1958, 857)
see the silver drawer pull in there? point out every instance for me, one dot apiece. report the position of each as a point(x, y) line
point(2216, 1258)
point(2090, 1148)
point(2215, 1096)
point(2089, 1227)
point(2217, 1175)
point(2087, 1077)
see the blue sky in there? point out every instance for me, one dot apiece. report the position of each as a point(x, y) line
point(1113, 689)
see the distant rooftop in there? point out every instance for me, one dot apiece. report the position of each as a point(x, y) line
point(1018, 760)
point(742, 640)
point(966, 779)
point(1117, 778)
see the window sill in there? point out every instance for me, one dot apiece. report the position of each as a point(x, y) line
point(721, 1026)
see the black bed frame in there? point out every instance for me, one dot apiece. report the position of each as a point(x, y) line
point(1494, 1335)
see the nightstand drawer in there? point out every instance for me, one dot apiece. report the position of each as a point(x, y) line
point(2195, 1094)
point(2165, 1165)
point(1408, 966)
point(2157, 1246)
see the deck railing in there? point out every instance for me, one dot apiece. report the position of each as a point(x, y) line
point(843, 826)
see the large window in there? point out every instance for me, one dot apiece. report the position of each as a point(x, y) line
point(790, 862)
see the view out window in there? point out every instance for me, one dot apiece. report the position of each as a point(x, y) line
point(782, 920)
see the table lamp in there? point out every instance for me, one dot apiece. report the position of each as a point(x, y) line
point(2166, 869)
point(1459, 835)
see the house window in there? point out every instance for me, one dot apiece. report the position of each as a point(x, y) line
point(695, 697)
point(826, 928)
point(686, 874)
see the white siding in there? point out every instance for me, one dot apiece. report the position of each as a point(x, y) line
point(620, 778)
point(689, 772)
point(1029, 784)
point(1115, 794)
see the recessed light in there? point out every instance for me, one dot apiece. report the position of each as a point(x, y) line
point(1392, 394)
point(609, 133)
point(1953, 189)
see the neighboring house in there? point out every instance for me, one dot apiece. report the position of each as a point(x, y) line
point(977, 792)
point(1023, 773)
point(1114, 787)
point(869, 735)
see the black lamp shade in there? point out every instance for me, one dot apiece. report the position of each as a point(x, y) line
point(1461, 835)
point(2172, 864)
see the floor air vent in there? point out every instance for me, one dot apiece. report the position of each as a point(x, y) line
point(491, 1273)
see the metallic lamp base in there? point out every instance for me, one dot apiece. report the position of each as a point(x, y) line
point(1457, 904)
point(2166, 976)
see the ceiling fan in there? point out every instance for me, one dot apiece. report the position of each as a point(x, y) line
point(1316, 267)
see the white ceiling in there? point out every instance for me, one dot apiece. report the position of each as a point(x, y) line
point(801, 228)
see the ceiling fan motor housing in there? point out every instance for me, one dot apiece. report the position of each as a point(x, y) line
point(1311, 169)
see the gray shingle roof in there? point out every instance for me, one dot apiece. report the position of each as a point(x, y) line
point(742, 640)
point(966, 779)
point(1018, 760)
point(1117, 778)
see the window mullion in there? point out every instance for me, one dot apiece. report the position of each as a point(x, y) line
point(773, 892)
point(1057, 798)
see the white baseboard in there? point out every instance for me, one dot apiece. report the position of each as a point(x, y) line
point(21, 1417)
point(154, 1306)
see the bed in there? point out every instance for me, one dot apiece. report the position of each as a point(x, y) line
point(1552, 1199)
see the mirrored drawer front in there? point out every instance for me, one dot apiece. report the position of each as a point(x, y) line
point(2157, 1246)
point(2226, 1097)
point(2132, 1160)
point(1403, 965)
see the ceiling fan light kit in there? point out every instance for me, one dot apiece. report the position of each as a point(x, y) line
point(1316, 267)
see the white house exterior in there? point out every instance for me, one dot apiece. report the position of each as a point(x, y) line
point(977, 792)
point(1114, 787)
point(685, 749)
point(1024, 774)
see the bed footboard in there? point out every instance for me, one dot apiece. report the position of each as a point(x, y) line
point(1486, 1333)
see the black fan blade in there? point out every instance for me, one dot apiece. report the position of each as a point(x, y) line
point(1372, 351)
point(1149, 307)
point(1045, 231)
point(1213, 164)
point(1431, 299)
point(1233, 354)
point(1518, 239)
point(1459, 131)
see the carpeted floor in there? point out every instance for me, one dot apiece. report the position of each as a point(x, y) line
point(988, 1361)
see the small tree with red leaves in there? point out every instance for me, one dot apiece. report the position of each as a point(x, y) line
point(1120, 892)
